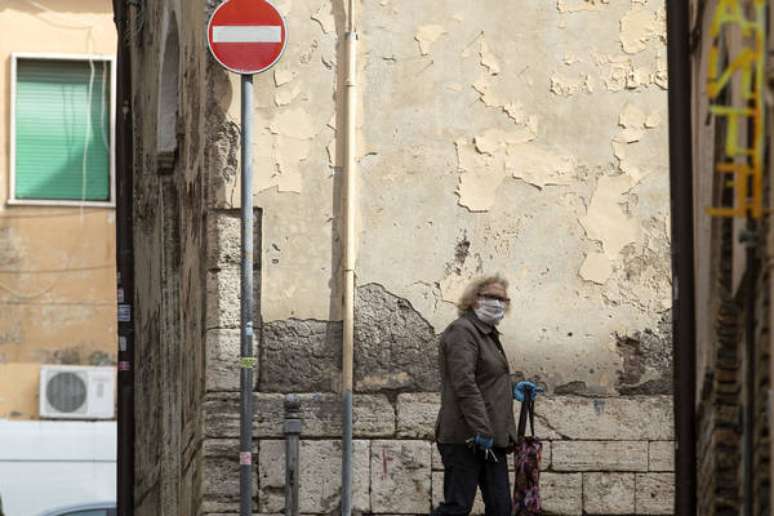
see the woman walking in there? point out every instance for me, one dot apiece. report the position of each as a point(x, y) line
point(475, 426)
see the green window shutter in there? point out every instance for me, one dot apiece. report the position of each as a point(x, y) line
point(62, 130)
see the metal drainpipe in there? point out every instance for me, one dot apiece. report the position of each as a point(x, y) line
point(349, 262)
point(125, 262)
point(683, 281)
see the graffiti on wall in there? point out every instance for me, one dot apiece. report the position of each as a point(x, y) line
point(741, 68)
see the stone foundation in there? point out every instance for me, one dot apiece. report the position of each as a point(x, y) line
point(615, 459)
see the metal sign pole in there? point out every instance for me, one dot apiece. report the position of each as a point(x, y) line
point(260, 30)
point(247, 361)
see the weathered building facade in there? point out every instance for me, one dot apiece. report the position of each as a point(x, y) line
point(732, 125)
point(506, 137)
point(57, 242)
point(57, 254)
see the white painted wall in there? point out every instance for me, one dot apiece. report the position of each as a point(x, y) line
point(46, 464)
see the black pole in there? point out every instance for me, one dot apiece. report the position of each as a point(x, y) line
point(751, 242)
point(124, 159)
point(294, 418)
point(683, 281)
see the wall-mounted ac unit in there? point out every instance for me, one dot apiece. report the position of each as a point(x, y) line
point(77, 392)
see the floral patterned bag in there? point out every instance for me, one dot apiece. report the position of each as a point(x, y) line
point(527, 454)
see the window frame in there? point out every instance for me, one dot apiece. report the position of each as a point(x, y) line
point(43, 56)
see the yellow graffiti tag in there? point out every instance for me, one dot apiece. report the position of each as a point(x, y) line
point(744, 163)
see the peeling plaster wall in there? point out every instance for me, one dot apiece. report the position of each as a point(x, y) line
point(513, 128)
point(536, 158)
point(57, 263)
point(295, 152)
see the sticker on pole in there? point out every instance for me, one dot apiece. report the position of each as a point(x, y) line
point(247, 36)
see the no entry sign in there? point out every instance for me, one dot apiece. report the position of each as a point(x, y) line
point(247, 36)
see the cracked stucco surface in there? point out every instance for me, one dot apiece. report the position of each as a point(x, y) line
point(542, 142)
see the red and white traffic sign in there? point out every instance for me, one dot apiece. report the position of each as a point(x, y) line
point(247, 36)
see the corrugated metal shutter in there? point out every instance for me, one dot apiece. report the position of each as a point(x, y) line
point(62, 130)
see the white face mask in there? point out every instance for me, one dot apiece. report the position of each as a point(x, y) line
point(490, 311)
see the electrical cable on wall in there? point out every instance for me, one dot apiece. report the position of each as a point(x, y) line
point(87, 137)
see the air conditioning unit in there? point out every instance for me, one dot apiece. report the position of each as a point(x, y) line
point(77, 392)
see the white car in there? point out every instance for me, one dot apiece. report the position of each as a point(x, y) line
point(85, 509)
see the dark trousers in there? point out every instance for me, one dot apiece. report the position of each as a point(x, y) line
point(464, 470)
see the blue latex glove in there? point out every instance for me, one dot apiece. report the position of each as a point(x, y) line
point(484, 444)
point(520, 388)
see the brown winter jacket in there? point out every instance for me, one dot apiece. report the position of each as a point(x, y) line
point(476, 392)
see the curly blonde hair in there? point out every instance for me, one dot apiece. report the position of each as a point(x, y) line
point(470, 294)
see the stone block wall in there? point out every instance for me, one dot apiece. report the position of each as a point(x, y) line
point(609, 464)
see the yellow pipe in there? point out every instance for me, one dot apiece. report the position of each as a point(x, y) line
point(348, 309)
point(350, 106)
